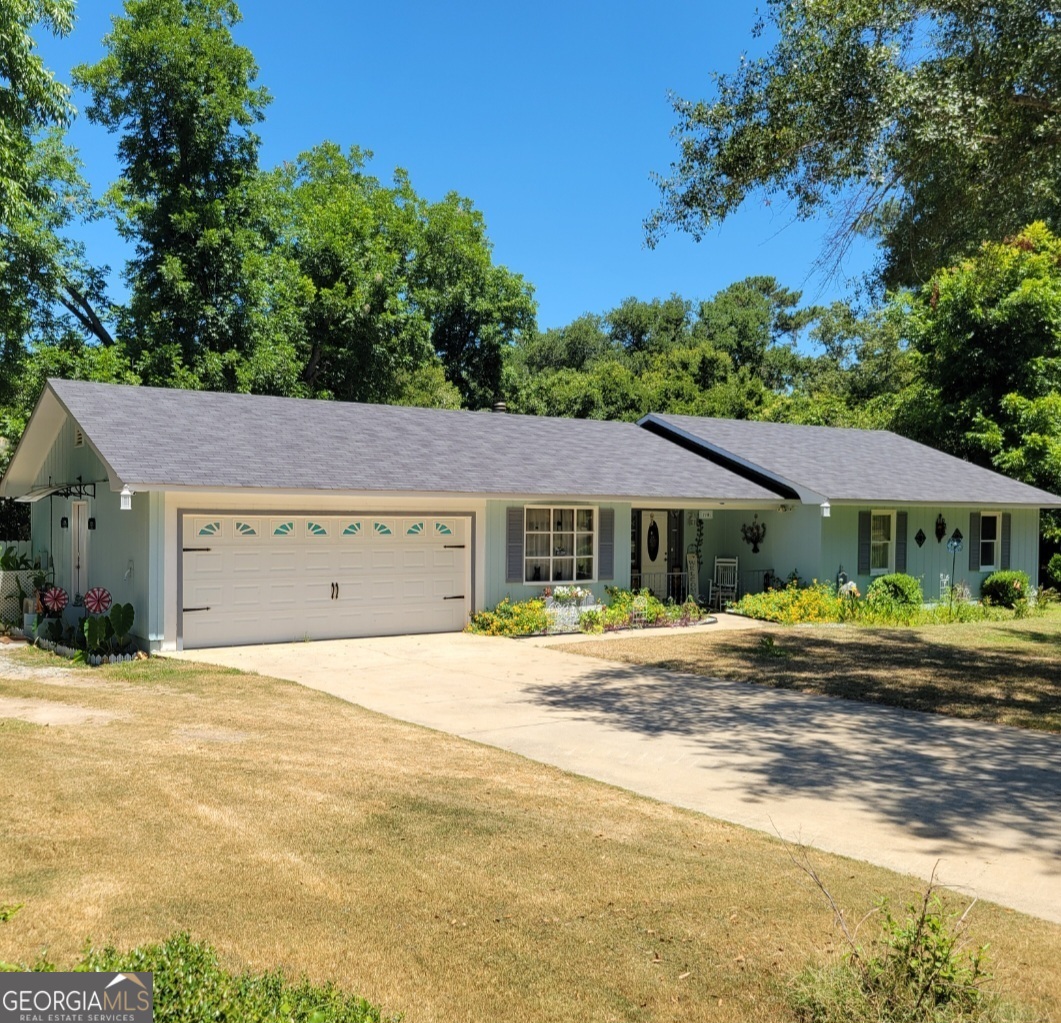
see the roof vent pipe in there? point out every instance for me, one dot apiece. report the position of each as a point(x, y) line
point(500, 406)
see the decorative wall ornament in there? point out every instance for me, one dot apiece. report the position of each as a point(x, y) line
point(920, 537)
point(754, 533)
point(941, 528)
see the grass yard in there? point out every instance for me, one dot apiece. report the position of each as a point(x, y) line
point(1006, 672)
point(445, 880)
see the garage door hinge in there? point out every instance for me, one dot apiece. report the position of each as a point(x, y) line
point(453, 546)
point(459, 596)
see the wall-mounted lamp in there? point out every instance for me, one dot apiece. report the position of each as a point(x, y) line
point(64, 523)
point(827, 509)
point(92, 522)
point(941, 528)
point(127, 499)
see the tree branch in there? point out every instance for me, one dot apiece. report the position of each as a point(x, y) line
point(79, 306)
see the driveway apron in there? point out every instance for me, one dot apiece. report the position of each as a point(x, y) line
point(896, 788)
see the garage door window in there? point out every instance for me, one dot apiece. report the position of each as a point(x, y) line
point(559, 544)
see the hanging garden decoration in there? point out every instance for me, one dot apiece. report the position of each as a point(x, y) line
point(754, 533)
point(54, 599)
point(97, 601)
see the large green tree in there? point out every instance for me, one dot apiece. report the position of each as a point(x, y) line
point(931, 124)
point(987, 332)
point(180, 93)
point(30, 97)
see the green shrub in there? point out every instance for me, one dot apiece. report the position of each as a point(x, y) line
point(917, 971)
point(794, 605)
point(591, 621)
point(897, 587)
point(1005, 588)
point(190, 986)
point(526, 618)
point(1053, 570)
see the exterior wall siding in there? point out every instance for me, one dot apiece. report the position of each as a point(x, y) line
point(119, 541)
point(497, 587)
point(792, 544)
point(929, 562)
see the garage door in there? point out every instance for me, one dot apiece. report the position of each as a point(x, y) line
point(269, 579)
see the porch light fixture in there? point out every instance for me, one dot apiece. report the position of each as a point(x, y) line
point(127, 499)
point(827, 509)
point(64, 523)
point(941, 528)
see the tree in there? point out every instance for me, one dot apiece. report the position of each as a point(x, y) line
point(180, 93)
point(987, 332)
point(30, 97)
point(933, 125)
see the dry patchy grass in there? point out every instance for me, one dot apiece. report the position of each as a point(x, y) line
point(447, 880)
point(1005, 672)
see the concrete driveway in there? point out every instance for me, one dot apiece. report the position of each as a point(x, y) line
point(896, 788)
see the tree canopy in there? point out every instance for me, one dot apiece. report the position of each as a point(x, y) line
point(932, 125)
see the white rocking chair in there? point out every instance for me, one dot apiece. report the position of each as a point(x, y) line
point(725, 582)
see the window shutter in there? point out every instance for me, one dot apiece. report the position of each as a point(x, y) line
point(1007, 526)
point(865, 527)
point(974, 541)
point(900, 541)
point(514, 542)
point(606, 544)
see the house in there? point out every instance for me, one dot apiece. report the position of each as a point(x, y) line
point(231, 518)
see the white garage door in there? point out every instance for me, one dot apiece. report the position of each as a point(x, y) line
point(267, 579)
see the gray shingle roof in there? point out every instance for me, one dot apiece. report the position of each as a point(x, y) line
point(855, 465)
point(158, 437)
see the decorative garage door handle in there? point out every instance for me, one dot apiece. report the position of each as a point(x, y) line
point(187, 549)
point(189, 610)
point(335, 590)
point(453, 546)
point(459, 596)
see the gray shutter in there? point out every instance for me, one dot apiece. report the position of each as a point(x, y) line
point(865, 527)
point(606, 544)
point(974, 541)
point(900, 541)
point(514, 545)
point(1007, 528)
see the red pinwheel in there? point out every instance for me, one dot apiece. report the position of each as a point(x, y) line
point(54, 598)
point(97, 601)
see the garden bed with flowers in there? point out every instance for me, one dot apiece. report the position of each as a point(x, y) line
point(91, 628)
point(567, 609)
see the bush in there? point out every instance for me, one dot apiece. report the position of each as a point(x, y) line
point(1053, 570)
point(526, 618)
point(795, 605)
point(897, 587)
point(191, 986)
point(917, 971)
point(591, 621)
point(1005, 588)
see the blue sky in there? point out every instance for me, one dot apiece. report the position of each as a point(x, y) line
point(550, 117)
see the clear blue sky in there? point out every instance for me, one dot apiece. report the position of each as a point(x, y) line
point(551, 117)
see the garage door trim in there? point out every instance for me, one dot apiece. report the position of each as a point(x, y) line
point(304, 513)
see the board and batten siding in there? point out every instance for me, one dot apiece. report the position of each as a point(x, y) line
point(118, 539)
point(498, 554)
point(840, 545)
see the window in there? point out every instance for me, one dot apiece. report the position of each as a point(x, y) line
point(882, 543)
point(989, 534)
point(559, 545)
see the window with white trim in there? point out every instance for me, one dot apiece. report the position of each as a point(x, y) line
point(882, 543)
point(559, 545)
point(990, 534)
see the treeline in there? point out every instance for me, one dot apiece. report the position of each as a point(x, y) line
point(318, 279)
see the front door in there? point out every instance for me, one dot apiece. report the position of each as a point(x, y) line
point(78, 548)
point(654, 547)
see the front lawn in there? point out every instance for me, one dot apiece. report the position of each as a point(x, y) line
point(436, 877)
point(1008, 672)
